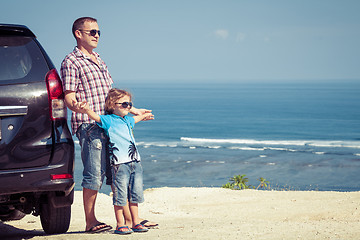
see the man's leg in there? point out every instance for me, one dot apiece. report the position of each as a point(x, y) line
point(89, 199)
point(92, 224)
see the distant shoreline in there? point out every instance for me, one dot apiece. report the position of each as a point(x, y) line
point(138, 82)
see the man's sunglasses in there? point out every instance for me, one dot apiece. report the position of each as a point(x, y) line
point(125, 104)
point(92, 32)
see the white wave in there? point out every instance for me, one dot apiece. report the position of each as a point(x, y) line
point(281, 149)
point(244, 141)
point(315, 143)
point(277, 149)
point(207, 161)
point(247, 148)
point(214, 147)
point(156, 144)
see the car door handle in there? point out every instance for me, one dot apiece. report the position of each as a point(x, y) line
point(13, 111)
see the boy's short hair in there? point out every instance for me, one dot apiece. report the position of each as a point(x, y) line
point(78, 23)
point(113, 96)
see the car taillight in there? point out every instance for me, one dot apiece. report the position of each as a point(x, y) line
point(56, 95)
point(61, 176)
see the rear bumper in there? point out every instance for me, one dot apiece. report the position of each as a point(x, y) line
point(34, 180)
point(38, 179)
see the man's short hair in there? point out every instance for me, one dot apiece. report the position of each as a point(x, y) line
point(80, 22)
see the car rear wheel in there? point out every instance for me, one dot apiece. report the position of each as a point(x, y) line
point(55, 220)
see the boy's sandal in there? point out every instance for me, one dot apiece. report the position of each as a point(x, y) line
point(123, 230)
point(149, 224)
point(140, 228)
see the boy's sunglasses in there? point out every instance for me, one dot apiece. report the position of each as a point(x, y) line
point(92, 32)
point(125, 104)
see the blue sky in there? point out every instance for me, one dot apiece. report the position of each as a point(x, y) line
point(233, 40)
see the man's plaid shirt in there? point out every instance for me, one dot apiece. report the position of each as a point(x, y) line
point(90, 82)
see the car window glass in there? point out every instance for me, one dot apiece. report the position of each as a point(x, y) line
point(15, 59)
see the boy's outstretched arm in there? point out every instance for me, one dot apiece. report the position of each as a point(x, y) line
point(143, 117)
point(139, 111)
point(94, 116)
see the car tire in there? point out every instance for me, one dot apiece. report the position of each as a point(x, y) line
point(55, 220)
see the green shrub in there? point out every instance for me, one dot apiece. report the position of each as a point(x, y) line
point(239, 182)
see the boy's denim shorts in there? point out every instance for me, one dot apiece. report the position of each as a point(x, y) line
point(127, 183)
point(93, 142)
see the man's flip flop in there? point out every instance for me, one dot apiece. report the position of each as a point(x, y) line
point(139, 228)
point(149, 225)
point(99, 230)
point(128, 231)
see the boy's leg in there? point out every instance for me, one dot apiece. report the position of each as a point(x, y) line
point(127, 215)
point(126, 210)
point(121, 227)
point(136, 196)
point(120, 180)
point(119, 216)
point(134, 210)
point(137, 227)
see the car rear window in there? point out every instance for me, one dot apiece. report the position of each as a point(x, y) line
point(19, 57)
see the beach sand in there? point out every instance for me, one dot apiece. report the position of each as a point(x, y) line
point(216, 213)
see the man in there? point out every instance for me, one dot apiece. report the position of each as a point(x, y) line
point(86, 79)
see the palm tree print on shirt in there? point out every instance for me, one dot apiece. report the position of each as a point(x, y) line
point(133, 153)
point(112, 156)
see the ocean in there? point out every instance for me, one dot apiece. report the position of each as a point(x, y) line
point(298, 135)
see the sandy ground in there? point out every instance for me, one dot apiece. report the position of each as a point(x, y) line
point(215, 213)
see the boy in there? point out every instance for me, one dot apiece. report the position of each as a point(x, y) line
point(127, 183)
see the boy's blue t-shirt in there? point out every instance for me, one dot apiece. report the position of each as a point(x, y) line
point(122, 145)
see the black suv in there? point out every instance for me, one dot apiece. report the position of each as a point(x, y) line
point(36, 147)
